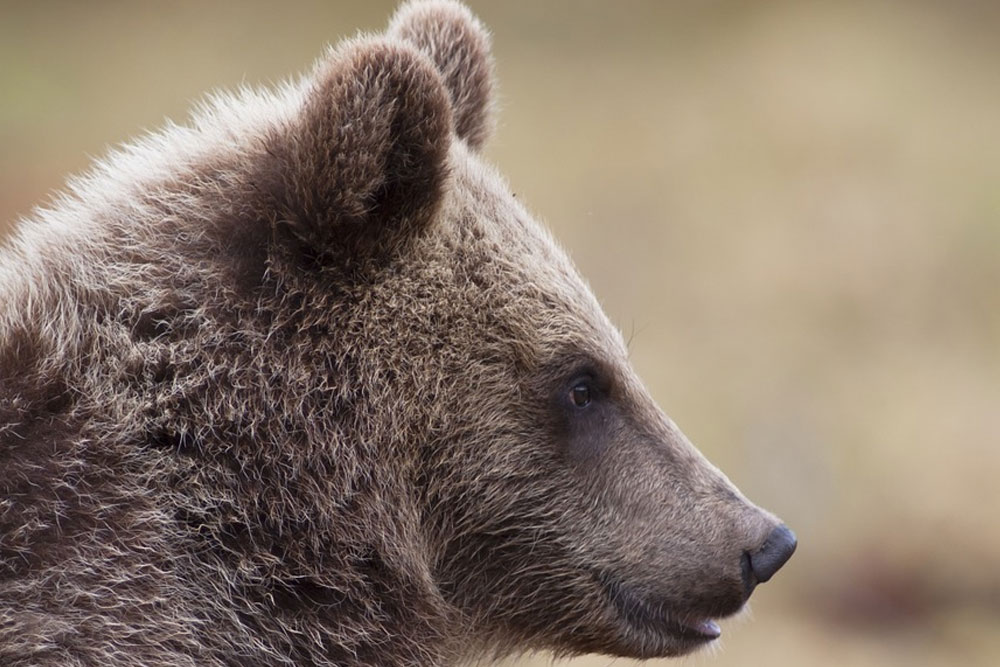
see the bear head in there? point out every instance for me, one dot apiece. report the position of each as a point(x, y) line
point(557, 506)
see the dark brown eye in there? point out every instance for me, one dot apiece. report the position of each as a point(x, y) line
point(580, 395)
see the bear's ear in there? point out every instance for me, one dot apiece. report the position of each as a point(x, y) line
point(460, 47)
point(364, 163)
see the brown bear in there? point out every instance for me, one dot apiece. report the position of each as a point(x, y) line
point(302, 383)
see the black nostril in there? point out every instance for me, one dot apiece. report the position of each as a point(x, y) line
point(776, 550)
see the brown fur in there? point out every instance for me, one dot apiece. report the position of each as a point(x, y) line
point(288, 386)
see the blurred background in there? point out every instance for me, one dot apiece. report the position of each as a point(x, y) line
point(792, 209)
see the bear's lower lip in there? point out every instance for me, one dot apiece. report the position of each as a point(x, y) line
point(652, 617)
point(706, 629)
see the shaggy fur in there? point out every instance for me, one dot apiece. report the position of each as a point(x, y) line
point(288, 386)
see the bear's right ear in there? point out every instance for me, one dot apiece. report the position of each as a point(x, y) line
point(364, 162)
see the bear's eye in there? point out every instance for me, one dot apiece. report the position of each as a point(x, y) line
point(580, 395)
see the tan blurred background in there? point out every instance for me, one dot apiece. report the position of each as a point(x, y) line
point(791, 208)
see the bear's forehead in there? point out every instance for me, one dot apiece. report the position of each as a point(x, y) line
point(495, 227)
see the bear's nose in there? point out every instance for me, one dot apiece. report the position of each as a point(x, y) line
point(776, 550)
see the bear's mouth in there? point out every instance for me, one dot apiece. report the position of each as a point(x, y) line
point(654, 617)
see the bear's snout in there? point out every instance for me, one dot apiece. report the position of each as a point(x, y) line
point(761, 564)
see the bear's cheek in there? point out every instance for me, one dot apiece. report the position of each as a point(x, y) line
point(623, 482)
point(586, 439)
point(637, 492)
point(615, 459)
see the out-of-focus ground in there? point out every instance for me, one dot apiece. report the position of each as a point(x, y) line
point(791, 208)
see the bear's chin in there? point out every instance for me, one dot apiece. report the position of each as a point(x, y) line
point(653, 628)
